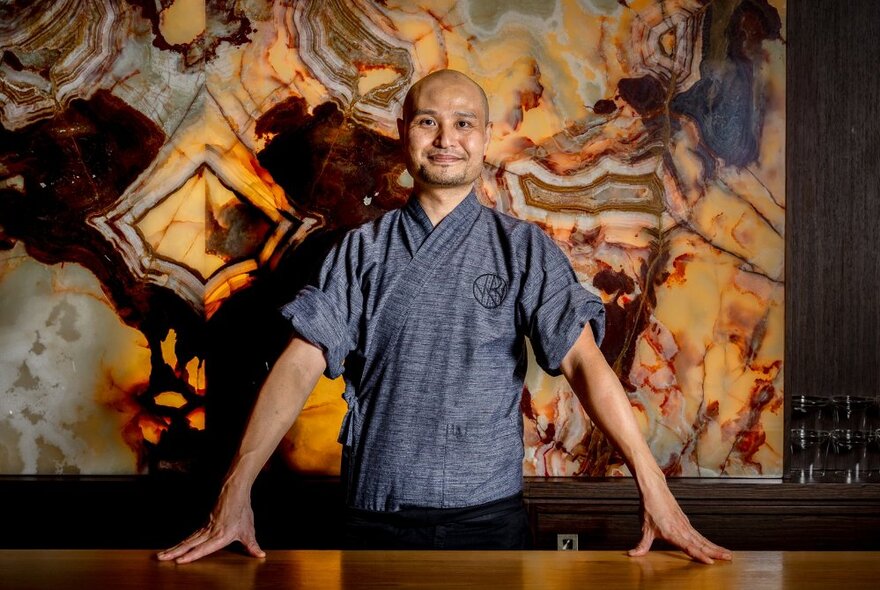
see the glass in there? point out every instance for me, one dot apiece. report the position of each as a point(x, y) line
point(806, 412)
point(827, 414)
point(850, 412)
point(847, 455)
point(807, 454)
point(861, 442)
point(872, 416)
point(873, 456)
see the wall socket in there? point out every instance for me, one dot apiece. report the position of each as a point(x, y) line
point(567, 542)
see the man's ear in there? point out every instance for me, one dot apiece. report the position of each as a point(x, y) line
point(488, 137)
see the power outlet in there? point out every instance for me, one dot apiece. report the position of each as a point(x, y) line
point(567, 542)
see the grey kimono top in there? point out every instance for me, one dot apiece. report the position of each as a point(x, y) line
point(426, 325)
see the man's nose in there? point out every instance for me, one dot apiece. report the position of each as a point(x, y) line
point(443, 138)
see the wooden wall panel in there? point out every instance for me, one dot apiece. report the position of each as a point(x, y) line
point(833, 198)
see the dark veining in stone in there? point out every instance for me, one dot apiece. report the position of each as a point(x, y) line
point(646, 94)
point(722, 102)
point(38, 347)
point(625, 322)
point(225, 23)
point(237, 232)
point(604, 107)
point(26, 379)
point(328, 164)
point(76, 165)
point(31, 417)
point(613, 282)
point(65, 315)
point(10, 438)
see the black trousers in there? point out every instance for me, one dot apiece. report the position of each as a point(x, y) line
point(502, 524)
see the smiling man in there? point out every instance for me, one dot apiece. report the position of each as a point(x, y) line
point(424, 312)
point(445, 131)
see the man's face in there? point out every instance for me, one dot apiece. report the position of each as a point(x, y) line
point(445, 133)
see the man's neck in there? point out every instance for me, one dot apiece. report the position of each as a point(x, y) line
point(439, 202)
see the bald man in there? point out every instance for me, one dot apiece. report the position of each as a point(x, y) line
point(424, 312)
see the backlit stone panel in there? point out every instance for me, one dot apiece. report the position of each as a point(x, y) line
point(171, 173)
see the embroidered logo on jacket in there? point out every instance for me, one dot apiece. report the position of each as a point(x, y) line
point(489, 290)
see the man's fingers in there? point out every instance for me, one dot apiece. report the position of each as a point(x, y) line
point(644, 545)
point(695, 545)
point(701, 549)
point(182, 547)
point(208, 546)
point(253, 548)
point(204, 542)
point(697, 554)
point(717, 552)
point(713, 550)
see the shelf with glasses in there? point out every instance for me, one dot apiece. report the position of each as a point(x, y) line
point(834, 439)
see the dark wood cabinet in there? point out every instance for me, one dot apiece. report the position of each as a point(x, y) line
point(294, 512)
point(738, 514)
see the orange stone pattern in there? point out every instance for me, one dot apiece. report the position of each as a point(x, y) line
point(173, 172)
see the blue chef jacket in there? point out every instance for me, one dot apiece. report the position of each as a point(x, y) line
point(426, 325)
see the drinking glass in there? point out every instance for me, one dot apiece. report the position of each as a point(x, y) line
point(806, 412)
point(850, 412)
point(807, 453)
point(873, 456)
point(847, 455)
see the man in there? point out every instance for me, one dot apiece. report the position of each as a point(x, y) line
point(424, 310)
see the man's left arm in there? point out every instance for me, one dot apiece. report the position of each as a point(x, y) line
point(602, 396)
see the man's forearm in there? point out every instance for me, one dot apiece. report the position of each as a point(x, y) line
point(602, 396)
point(600, 393)
point(279, 402)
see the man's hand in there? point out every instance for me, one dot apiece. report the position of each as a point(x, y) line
point(662, 518)
point(278, 404)
point(602, 396)
point(231, 520)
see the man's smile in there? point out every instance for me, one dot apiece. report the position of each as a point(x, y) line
point(444, 158)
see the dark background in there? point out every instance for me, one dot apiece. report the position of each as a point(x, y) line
point(832, 348)
point(832, 283)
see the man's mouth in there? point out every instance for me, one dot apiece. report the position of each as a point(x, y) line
point(444, 158)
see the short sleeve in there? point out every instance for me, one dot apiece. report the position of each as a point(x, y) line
point(327, 312)
point(554, 307)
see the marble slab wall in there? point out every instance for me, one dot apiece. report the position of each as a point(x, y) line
point(171, 173)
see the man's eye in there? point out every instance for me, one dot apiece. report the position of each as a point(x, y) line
point(465, 124)
point(426, 122)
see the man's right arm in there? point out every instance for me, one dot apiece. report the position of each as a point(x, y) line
point(279, 402)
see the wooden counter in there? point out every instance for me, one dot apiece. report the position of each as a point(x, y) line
point(545, 570)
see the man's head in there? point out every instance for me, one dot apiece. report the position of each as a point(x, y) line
point(445, 130)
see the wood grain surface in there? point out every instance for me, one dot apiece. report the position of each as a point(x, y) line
point(833, 198)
